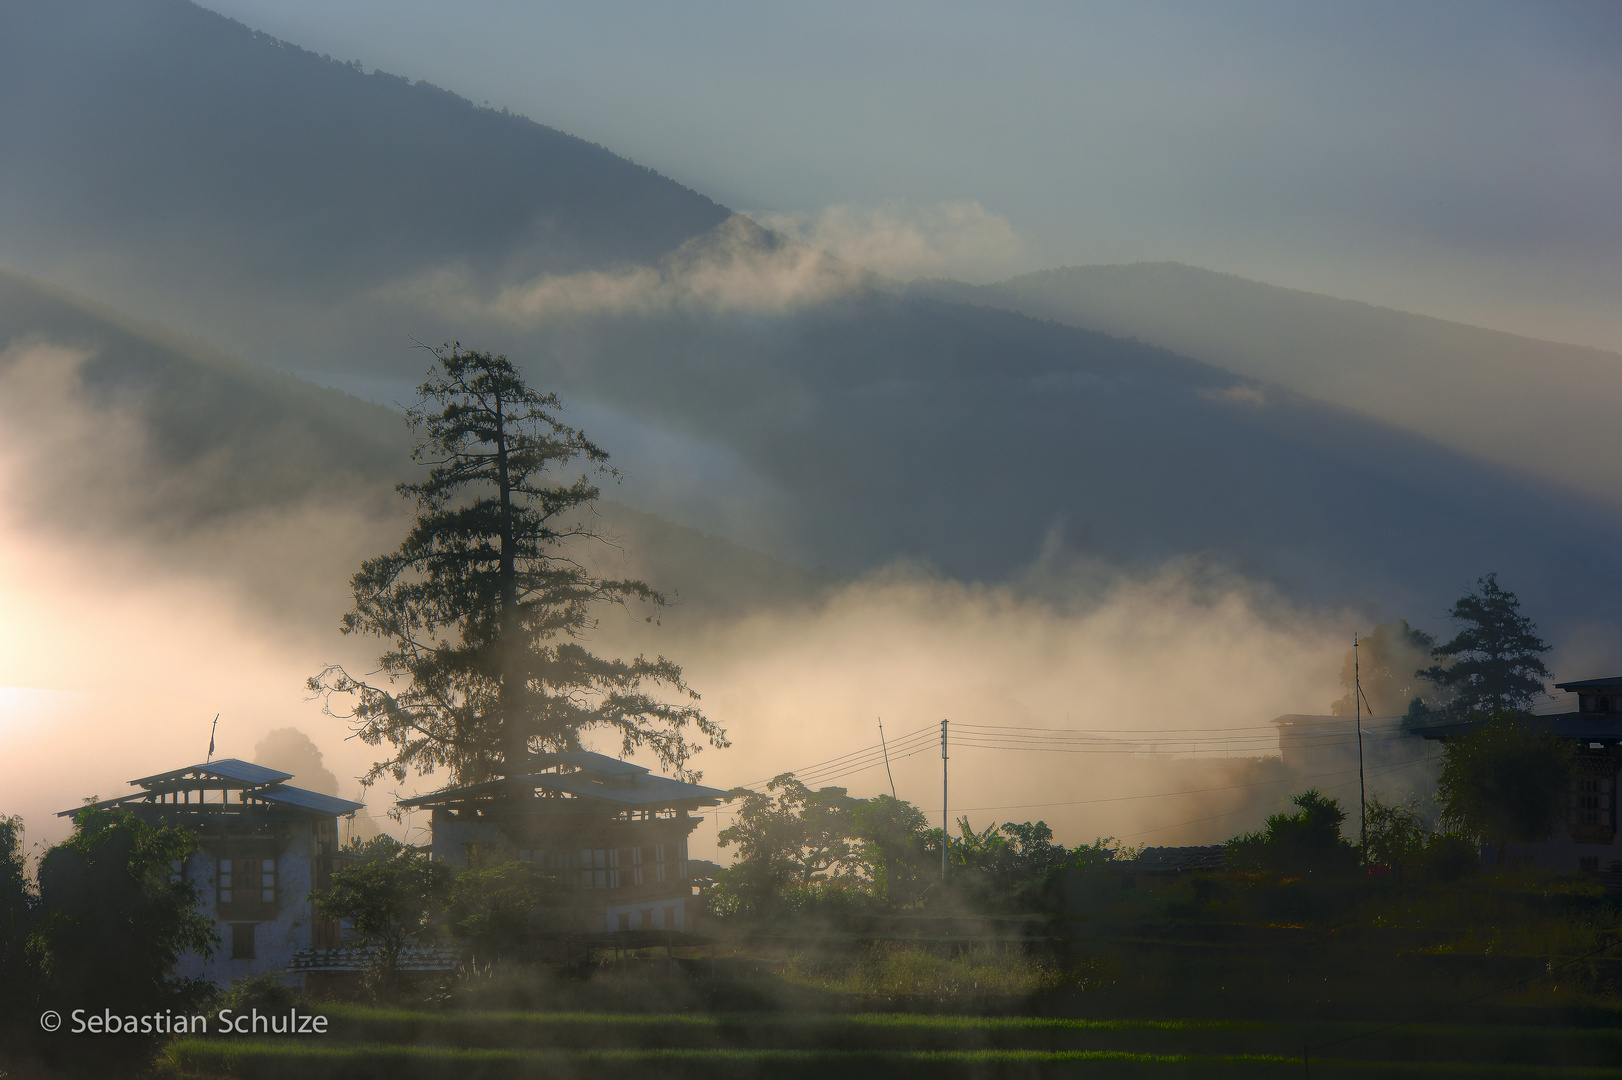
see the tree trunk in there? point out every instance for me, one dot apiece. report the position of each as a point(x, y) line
point(514, 735)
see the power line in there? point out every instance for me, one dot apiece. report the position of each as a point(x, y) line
point(1172, 794)
point(1190, 791)
point(1258, 806)
point(922, 739)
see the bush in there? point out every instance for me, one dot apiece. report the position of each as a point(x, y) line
point(1450, 857)
point(265, 992)
point(501, 910)
point(1305, 841)
point(390, 902)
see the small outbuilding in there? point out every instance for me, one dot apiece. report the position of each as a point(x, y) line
point(614, 834)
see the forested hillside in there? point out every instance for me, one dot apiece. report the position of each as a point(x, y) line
point(1535, 407)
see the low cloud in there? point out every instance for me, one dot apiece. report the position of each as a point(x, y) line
point(738, 266)
point(782, 263)
point(958, 239)
point(131, 638)
point(1178, 673)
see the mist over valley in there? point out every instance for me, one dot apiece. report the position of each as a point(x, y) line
point(1106, 497)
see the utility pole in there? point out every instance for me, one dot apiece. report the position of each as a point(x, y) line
point(1362, 791)
point(886, 749)
point(946, 836)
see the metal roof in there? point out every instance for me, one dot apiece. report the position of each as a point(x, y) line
point(1591, 684)
point(597, 763)
point(225, 768)
point(308, 800)
point(517, 783)
point(1574, 725)
point(280, 794)
point(589, 760)
point(637, 790)
point(642, 791)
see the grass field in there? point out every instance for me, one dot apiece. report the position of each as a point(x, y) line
point(404, 1045)
point(1243, 978)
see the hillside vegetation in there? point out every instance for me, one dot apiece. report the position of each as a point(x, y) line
point(1537, 407)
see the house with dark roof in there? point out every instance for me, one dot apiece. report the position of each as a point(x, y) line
point(614, 834)
point(1326, 747)
point(1588, 840)
point(263, 847)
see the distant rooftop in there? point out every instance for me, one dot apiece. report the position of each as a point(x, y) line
point(225, 769)
point(253, 785)
point(580, 775)
point(1614, 683)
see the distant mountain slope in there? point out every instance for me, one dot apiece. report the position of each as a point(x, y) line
point(1537, 407)
point(154, 143)
point(974, 439)
point(304, 215)
point(128, 431)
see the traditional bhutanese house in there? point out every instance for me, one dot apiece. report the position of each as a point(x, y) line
point(614, 834)
point(263, 846)
point(1588, 841)
point(1326, 746)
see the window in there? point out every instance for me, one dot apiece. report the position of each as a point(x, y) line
point(659, 863)
point(681, 857)
point(242, 940)
point(1591, 802)
point(1588, 864)
point(246, 881)
point(599, 868)
point(636, 866)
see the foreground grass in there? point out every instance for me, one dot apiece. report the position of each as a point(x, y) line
point(403, 1045)
point(253, 1060)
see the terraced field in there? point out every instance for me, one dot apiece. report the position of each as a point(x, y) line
point(396, 1045)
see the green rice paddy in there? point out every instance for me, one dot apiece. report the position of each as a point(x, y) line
point(393, 1044)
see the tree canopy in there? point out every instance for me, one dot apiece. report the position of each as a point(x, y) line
point(1505, 782)
point(1495, 661)
point(487, 602)
point(1308, 839)
point(114, 916)
point(390, 902)
point(1385, 662)
point(788, 835)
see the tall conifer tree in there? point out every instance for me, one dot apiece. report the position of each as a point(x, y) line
point(1495, 662)
point(486, 603)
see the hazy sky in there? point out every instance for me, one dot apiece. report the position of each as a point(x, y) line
point(1457, 159)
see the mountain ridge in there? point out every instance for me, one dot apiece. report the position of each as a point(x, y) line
point(1486, 392)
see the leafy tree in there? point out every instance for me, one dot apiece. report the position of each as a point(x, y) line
point(1396, 833)
point(373, 848)
point(1400, 837)
point(486, 602)
point(1008, 854)
point(1495, 661)
point(1385, 660)
point(1506, 782)
point(1033, 845)
point(16, 922)
point(391, 902)
point(788, 835)
point(114, 918)
point(498, 909)
point(895, 848)
point(1306, 840)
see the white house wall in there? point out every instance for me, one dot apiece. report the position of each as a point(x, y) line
point(276, 941)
